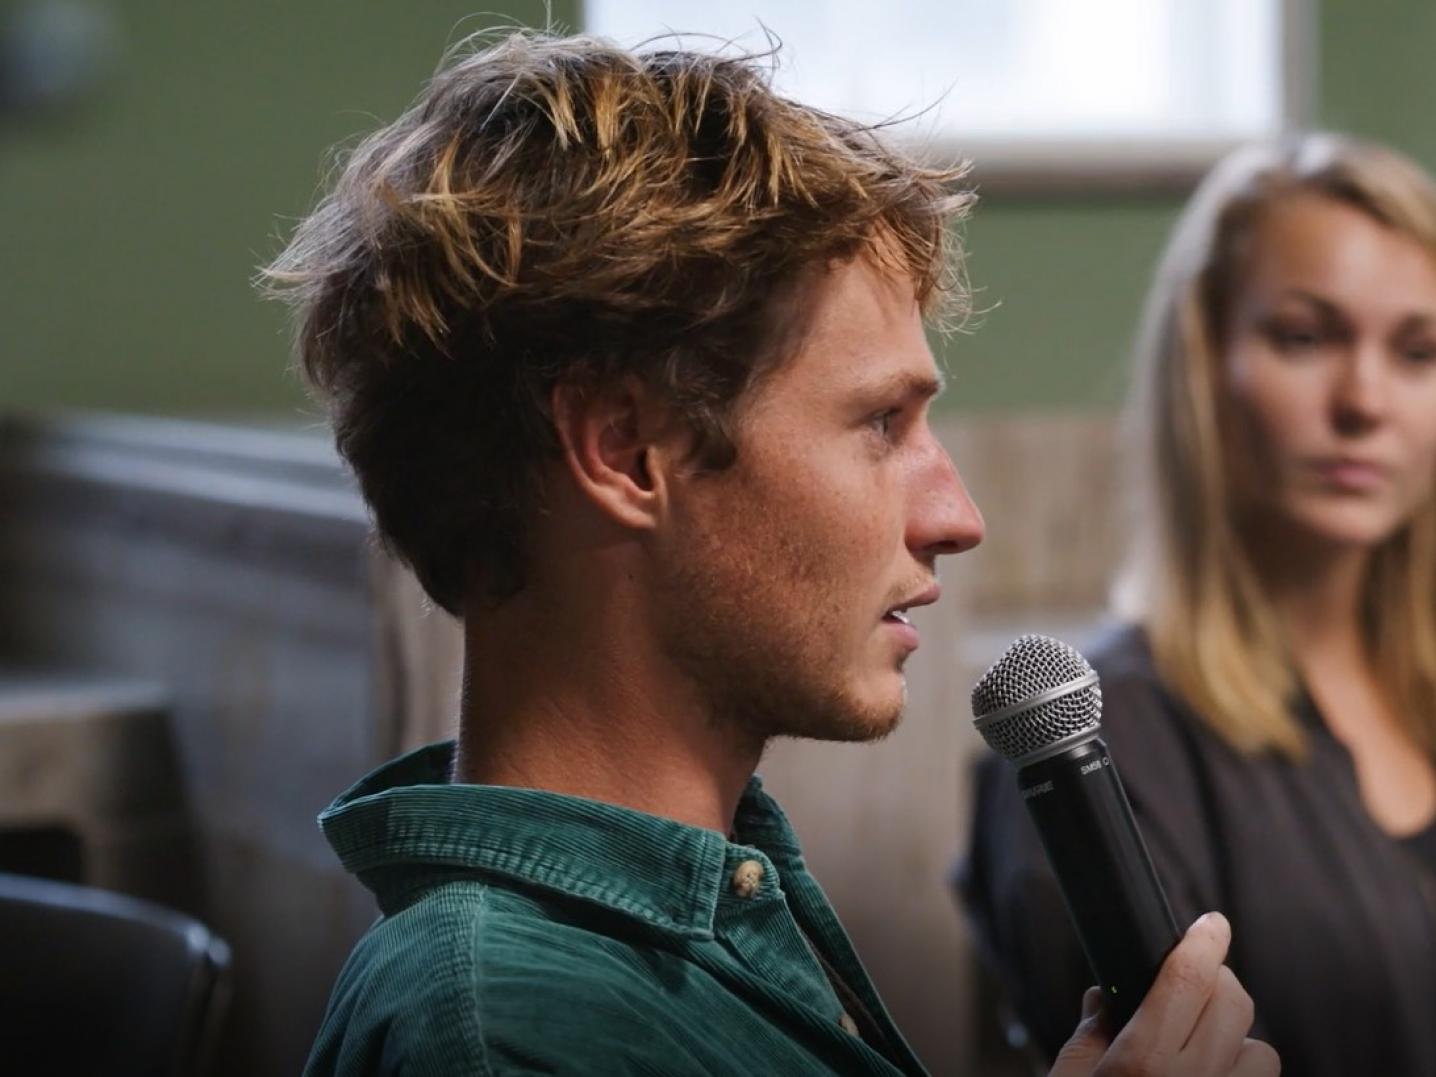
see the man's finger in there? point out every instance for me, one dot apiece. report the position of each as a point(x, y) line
point(1215, 1043)
point(1164, 1021)
point(1256, 1059)
point(1080, 1054)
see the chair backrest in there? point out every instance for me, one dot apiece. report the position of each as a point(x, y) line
point(97, 982)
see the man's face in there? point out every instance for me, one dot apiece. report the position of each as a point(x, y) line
point(787, 573)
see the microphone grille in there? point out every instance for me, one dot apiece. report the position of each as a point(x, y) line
point(1040, 694)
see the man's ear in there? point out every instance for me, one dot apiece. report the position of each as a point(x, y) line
point(620, 445)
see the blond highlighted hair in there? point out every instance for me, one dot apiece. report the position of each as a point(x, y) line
point(1214, 635)
point(561, 209)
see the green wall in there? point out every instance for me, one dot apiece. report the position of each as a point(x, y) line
point(1061, 281)
point(129, 232)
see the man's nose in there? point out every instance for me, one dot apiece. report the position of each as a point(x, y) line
point(943, 518)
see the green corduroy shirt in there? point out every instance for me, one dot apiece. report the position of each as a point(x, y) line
point(529, 932)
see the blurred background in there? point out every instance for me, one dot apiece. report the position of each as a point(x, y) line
point(200, 645)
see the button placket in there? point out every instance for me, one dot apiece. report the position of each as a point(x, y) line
point(754, 921)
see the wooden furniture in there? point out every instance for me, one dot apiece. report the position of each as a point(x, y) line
point(233, 570)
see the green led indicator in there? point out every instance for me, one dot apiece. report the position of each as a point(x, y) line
point(1112, 989)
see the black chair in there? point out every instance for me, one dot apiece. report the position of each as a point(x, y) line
point(93, 982)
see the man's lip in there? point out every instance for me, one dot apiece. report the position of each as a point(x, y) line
point(922, 598)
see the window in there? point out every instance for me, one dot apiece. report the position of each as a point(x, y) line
point(1128, 91)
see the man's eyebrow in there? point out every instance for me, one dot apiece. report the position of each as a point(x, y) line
point(924, 386)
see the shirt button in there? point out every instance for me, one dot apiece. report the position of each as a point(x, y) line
point(849, 1025)
point(746, 877)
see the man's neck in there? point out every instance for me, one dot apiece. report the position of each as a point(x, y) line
point(569, 702)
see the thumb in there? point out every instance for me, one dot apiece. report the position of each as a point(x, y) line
point(1079, 1055)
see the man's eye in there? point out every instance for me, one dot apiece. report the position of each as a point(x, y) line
point(882, 422)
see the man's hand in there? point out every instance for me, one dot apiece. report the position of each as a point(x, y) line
point(1193, 1022)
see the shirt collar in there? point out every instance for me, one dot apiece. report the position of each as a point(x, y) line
point(407, 821)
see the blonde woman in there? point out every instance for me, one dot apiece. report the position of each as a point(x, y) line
point(1272, 700)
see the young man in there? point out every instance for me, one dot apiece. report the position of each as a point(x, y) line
point(627, 353)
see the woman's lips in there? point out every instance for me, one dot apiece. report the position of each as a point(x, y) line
point(1348, 473)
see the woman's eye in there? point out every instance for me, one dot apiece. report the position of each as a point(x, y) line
point(1420, 353)
point(1292, 338)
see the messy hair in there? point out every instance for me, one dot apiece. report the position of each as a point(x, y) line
point(560, 210)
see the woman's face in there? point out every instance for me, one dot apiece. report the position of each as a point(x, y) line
point(1330, 376)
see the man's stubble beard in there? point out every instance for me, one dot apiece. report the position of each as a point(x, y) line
point(764, 667)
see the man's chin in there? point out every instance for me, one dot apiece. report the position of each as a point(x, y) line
point(852, 724)
point(879, 715)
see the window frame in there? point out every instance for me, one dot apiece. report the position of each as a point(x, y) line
point(1114, 166)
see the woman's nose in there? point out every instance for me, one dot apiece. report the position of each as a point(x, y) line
point(1361, 390)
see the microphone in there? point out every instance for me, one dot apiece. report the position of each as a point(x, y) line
point(1040, 706)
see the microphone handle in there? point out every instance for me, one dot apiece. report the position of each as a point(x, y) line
point(1104, 870)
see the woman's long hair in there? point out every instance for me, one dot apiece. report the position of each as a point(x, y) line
point(1190, 578)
